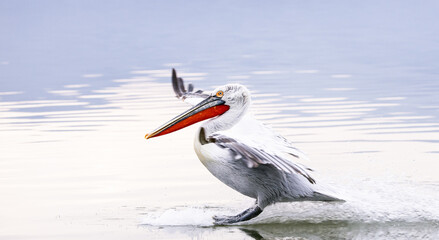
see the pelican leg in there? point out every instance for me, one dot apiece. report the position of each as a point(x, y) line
point(244, 216)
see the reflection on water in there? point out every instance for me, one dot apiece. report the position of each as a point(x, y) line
point(341, 230)
point(95, 154)
point(326, 230)
point(377, 119)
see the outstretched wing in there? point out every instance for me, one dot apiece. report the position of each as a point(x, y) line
point(188, 96)
point(254, 156)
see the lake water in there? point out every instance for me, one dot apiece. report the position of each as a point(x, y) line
point(353, 84)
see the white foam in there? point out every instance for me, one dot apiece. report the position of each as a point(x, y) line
point(366, 202)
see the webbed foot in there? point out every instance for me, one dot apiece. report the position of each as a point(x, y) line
point(244, 216)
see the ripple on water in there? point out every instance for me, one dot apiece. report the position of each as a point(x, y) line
point(345, 135)
point(378, 210)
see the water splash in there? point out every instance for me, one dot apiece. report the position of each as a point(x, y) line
point(367, 202)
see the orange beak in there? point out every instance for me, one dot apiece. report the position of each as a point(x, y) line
point(210, 107)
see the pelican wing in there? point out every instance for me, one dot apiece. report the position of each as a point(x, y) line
point(254, 130)
point(254, 156)
point(187, 95)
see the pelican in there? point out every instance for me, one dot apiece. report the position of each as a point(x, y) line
point(242, 152)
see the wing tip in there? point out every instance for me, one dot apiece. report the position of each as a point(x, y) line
point(176, 85)
point(190, 87)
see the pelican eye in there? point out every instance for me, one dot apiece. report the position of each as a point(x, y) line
point(220, 93)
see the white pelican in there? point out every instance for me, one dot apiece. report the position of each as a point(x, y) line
point(240, 151)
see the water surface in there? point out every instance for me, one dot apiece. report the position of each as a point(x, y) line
point(354, 85)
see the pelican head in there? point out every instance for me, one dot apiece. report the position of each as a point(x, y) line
point(225, 106)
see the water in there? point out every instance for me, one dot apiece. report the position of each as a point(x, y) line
point(354, 85)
